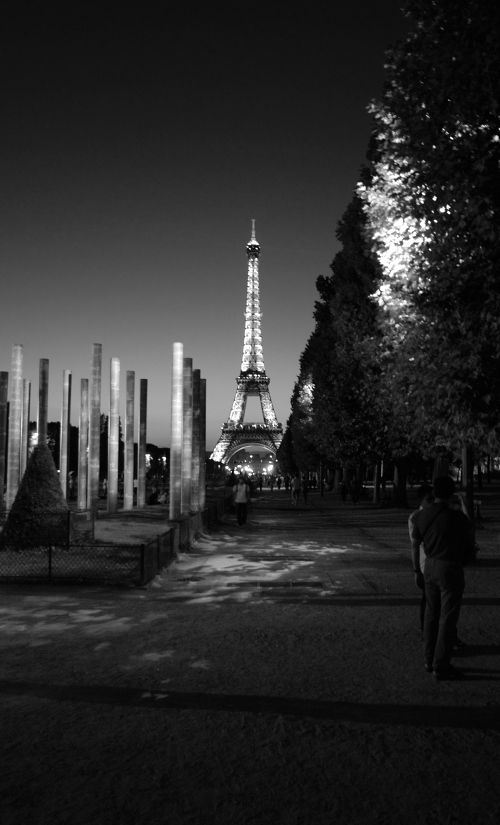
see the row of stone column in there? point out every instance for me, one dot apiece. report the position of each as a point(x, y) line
point(14, 431)
point(188, 437)
point(90, 437)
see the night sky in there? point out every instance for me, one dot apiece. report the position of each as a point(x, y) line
point(135, 151)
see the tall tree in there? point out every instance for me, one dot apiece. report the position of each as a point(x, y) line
point(433, 210)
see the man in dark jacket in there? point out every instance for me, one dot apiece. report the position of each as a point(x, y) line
point(447, 538)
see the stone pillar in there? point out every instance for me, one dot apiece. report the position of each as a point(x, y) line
point(141, 444)
point(128, 493)
point(65, 425)
point(195, 458)
point(43, 400)
point(114, 435)
point(187, 435)
point(176, 433)
point(83, 444)
point(25, 429)
point(94, 427)
point(15, 420)
point(4, 389)
point(203, 440)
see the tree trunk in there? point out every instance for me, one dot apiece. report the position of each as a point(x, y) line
point(400, 477)
point(441, 466)
point(377, 475)
point(468, 479)
point(336, 483)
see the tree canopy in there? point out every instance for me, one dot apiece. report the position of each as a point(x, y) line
point(406, 348)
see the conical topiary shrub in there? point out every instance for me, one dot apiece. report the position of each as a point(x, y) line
point(38, 516)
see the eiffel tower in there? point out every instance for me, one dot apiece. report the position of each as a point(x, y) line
point(252, 380)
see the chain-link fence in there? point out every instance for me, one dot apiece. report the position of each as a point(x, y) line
point(114, 564)
point(87, 563)
point(74, 557)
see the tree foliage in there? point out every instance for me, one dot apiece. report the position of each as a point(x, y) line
point(433, 210)
point(334, 402)
point(404, 357)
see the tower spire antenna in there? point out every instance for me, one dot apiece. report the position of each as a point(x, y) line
point(253, 229)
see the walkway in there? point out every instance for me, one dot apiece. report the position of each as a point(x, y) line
point(273, 675)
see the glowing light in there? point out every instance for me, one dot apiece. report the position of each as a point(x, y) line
point(176, 433)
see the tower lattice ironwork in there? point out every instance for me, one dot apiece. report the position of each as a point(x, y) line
point(252, 379)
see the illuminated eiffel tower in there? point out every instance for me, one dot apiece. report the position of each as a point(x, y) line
point(252, 380)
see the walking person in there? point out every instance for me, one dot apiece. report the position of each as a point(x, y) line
point(448, 542)
point(425, 496)
point(241, 492)
point(295, 489)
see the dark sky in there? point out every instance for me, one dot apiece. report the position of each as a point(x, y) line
point(135, 150)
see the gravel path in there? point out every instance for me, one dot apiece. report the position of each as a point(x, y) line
point(273, 675)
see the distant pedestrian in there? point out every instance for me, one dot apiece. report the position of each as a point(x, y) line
point(279, 482)
point(287, 482)
point(295, 489)
point(260, 482)
point(241, 492)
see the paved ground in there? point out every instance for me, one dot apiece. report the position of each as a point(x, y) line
point(273, 675)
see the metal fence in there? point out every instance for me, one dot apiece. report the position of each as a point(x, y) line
point(75, 558)
point(87, 563)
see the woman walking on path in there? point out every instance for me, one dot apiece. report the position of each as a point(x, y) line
point(241, 492)
point(295, 489)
